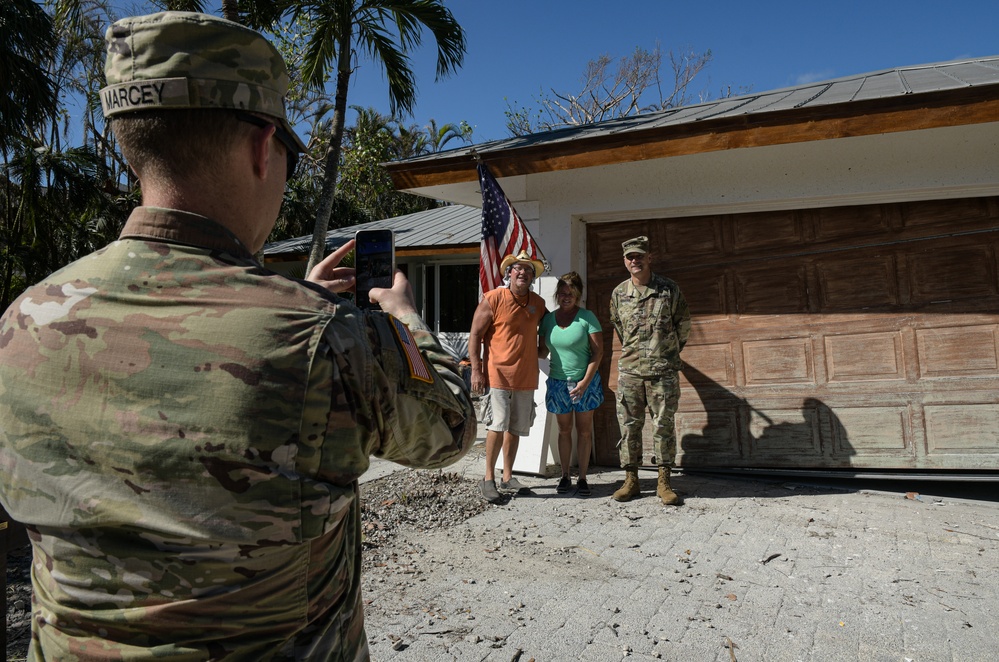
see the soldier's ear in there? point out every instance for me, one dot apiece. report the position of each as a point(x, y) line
point(261, 150)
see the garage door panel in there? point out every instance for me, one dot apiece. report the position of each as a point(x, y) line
point(957, 351)
point(866, 281)
point(789, 435)
point(778, 361)
point(705, 292)
point(752, 232)
point(772, 290)
point(831, 224)
point(598, 302)
point(962, 428)
point(708, 438)
point(942, 273)
point(603, 247)
point(864, 356)
point(693, 239)
point(944, 213)
point(708, 365)
point(859, 432)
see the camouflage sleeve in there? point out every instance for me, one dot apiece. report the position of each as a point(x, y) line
point(681, 319)
point(615, 317)
point(428, 418)
point(379, 387)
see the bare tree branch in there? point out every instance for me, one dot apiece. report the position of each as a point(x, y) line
point(613, 88)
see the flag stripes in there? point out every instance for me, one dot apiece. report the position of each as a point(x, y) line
point(503, 233)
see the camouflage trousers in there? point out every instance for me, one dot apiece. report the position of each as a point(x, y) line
point(660, 396)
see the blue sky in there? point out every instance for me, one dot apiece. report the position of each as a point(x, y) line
point(518, 47)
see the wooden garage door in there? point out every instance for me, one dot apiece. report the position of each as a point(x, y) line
point(863, 337)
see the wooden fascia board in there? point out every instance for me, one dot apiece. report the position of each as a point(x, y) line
point(432, 251)
point(912, 113)
point(415, 251)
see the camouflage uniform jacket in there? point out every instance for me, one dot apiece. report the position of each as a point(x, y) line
point(182, 432)
point(652, 325)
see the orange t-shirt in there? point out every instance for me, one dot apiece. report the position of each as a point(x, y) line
point(512, 363)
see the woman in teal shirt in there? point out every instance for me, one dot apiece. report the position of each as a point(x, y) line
point(572, 335)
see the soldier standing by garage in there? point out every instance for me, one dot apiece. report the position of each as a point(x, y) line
point(652, 321)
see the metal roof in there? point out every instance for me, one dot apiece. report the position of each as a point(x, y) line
point(886, 84)
point(453, 225)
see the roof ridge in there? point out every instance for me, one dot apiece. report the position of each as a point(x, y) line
point(881, 84)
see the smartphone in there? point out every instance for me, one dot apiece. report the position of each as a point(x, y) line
point(374, 263)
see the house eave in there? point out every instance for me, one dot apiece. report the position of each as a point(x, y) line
point(913, 112)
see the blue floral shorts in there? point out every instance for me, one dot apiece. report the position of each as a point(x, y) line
point(557, 399)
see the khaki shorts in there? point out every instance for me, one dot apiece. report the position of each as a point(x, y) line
point(508, 411)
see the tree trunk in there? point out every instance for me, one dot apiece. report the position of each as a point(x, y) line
point(230, 10)
point(7, 278)
point(332, 160)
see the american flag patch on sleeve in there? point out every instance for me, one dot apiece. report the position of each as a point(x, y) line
point(417, 365)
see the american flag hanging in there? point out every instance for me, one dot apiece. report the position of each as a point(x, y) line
point(503, 233)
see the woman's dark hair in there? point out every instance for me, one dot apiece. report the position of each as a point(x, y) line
point(573, 281)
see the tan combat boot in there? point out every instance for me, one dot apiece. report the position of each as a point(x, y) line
point(665, 492)
point(629, 490)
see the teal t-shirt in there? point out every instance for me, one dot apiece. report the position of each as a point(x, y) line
point(569, 347)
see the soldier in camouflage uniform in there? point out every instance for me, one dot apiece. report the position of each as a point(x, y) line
point(181, 430)
point(652, 321)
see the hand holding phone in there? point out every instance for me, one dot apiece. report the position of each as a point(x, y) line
point(374, 263)
point(330, 275)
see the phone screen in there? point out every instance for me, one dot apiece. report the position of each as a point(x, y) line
point(374, 263)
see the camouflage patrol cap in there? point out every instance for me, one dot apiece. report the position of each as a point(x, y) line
point(636, 245)
point(189, 60)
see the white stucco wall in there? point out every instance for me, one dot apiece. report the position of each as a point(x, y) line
point(922, 165)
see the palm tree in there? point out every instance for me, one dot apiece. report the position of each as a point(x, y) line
point(56, 204)
point(30, 97)
point(230, 10)
point(441, 135)
point(385, 31)
point(369, 122)
point(257, 14)
point(55, 209)
point(363, 180)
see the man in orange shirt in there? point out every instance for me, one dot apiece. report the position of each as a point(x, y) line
point(505, 326)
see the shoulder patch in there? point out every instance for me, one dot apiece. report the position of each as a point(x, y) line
point(407, 344)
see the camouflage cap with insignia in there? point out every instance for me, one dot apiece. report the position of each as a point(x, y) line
point(189, 60)
point(636, 245)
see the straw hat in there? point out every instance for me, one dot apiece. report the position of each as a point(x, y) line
point(510, 260)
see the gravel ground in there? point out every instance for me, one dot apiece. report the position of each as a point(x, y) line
point(18, 603)
point(413, 501)
point(407, 501)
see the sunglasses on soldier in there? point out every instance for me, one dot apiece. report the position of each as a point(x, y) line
point(290, 148)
